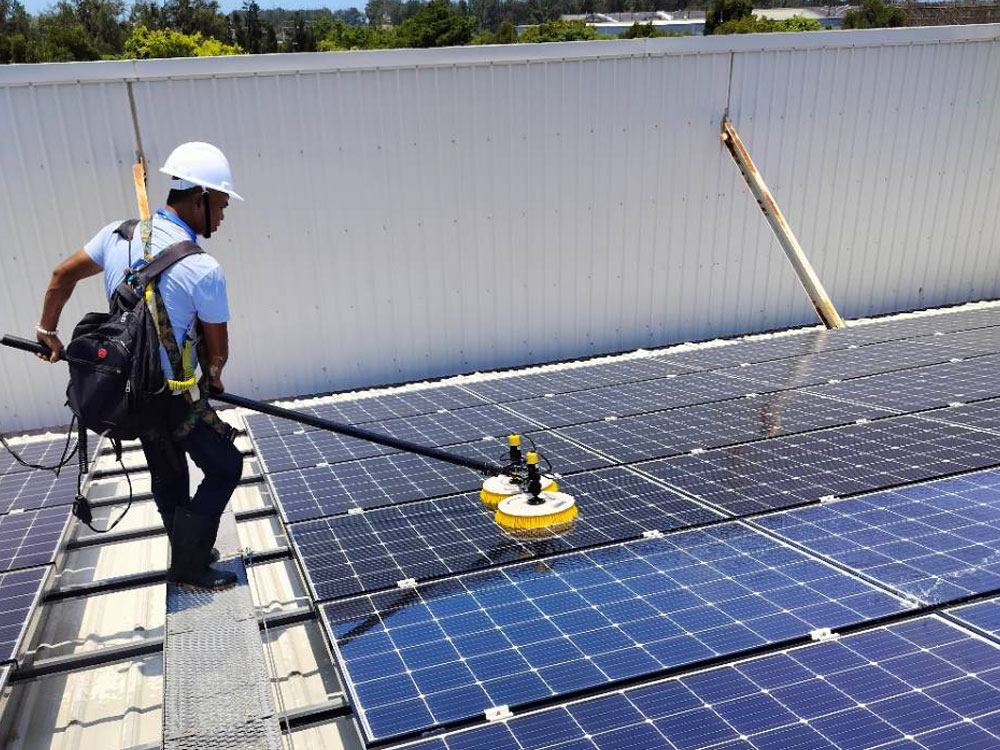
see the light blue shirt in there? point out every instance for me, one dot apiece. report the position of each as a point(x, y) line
point(193, 288)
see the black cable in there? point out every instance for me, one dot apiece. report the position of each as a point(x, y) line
point(64, 459)
point(81, 505)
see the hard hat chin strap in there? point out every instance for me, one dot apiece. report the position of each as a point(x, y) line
point(208, 215)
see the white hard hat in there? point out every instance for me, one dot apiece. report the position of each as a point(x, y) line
point(200, 164)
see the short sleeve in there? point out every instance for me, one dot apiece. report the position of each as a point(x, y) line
point(210, 301)
point(99, 242)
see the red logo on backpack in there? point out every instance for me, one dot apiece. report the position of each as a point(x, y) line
point(102, 353)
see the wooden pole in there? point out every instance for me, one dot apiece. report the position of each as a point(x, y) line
point(786, 238)
point(139, 178)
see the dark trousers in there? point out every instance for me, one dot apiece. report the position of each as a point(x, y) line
point(217, 457)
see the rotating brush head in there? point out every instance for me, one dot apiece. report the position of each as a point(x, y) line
point(536, 513)
point(508, 484)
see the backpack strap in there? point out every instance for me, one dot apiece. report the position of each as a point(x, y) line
point(151, 271)
point(126, 230)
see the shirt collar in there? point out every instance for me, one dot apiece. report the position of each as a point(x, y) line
point(175, 219)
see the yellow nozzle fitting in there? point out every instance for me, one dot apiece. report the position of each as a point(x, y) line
point(531, 458)
point(514, 441)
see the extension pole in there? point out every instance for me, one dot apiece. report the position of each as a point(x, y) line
point(35, 347)
point(793, 251)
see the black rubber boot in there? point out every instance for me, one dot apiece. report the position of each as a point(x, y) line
point(168, 527)
point(192, 539)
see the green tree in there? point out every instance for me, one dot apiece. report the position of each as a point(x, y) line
point(146, 43)
point(507, 33)
point(757, 25)
point(644, 31)
point(559, 31)
point(874, 14)
point(720, 11)
point(436, 24)
point(302, 39)
point(101, 21)
point(251, 31)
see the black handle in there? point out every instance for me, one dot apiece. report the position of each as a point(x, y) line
point(357, 432)
point(25, 345)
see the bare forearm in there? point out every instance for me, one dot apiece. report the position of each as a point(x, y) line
point(58, 293)
point(215, 339)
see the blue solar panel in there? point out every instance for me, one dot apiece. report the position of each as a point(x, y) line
point(923, 387)
point(677, 431)
point(308, 448)
point(447, 651)
point(368, 409)
point(303, 494)
point(918, 685)
point(983, 616)
point(31, 537)
point(931, 542)
point(37, 489)
point(363, 553)
point(19, 593)
point(982, 415)
point(795, 470)
point(44, 453)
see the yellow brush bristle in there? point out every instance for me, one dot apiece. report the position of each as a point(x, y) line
point(540, 523)
point(490, 499)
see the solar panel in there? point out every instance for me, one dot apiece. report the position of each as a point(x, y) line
point(303, 494)
point(31, 537)
point(923, 387)
point(19, 593)
point(800, 469)
point(362, 553)
point(670, 433)
point(308, 448)
point(983, 616)
point(46, 453)
point(982, 415)
point(912, 686)
point(562, 409)
point(368, 409)
point(37, 489)
point(447, 651)
point(932, 543)
point(515, 387)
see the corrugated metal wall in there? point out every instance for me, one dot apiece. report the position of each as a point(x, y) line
point(412, 214)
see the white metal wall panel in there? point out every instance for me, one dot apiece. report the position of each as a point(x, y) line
point(412, 214)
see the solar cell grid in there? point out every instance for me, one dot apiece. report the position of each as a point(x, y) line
point(677, 431)
point(320, 491)
point(370, 409)
point(933, 542)
point(32, 537)
point(923, 387)
point(983, 616)
point(517, 387)
point(37, 489)
point(45, 453)
point(799, 469)
point(363, 553)
point(565, 409)
point(920, 685)
point(982, 415)
point(447, 651)
point(19, 592)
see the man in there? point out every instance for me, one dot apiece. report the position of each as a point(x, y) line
point(192, 300)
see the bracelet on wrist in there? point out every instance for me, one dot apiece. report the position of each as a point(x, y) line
point(53, 332)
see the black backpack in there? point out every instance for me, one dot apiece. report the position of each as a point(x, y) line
point(116, 383)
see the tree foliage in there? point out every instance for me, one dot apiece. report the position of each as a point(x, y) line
point(644, 31)
point(146, 43)
point(721, 11)
point(756, 25)
point(560, 31)
point(874, 14)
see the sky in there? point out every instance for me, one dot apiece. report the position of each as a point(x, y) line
point(36, 6)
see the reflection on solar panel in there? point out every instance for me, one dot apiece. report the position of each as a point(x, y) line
point(983, 616)
point(19, 591)
point(670, 433)
point(516, 387)
point(37, 489)
point(363, 553)
point(403, 477)
point(983, 415)
point(922, 387)
point(931, 542)
point(308, 448)
point(372, 409)
point(800, 469)
point(912, 686)
point(447, 651)
point(634, 398)
point(31, 538)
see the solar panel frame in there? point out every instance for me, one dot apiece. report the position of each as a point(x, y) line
point(932, 543)
point(895, 687)
point(703, 426)
point(20, 593)
point(37, 489)
point(585, 619)
point(347, 555)
point(841, 461)
point(32, 538)
point(304, 494)
point(982, 616)
point(982, 416)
